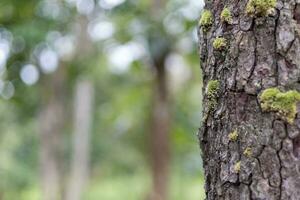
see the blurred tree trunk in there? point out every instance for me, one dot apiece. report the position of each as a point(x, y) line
point(160, 136)
point(51, 122)
point(159, 140)
point(248, 153)
point(83, 109)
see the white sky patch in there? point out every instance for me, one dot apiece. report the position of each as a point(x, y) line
point(110, 4)
point(195, 35)
point(29, 74)
point(185, 44)
point(18, 45)
point(8, 90)
point(192, 9)
point(136, 27)
point(52, 36)
point(1, 85)
point(2, 58)
point(173, 24)
point(65, 47)
point(123, 124)
point(50, 9)
point(122, 56)
point(71, 2)
point(177, 69)
point(4, 52)
point(48, 60)
point(101, 30)
point(85, 7)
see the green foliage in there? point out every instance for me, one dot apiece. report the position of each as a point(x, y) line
point(219, 43)
point(109, 186)
point(206, 19)
point(284, 104)
point(260, 7)
point(233, 136)
point(212, 91)
point(226, 16)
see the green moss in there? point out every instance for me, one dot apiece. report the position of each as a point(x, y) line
point(260, 7)
point(248, 152)
point(233, 136)
point(237, 167)
point(219, 43)
point(226, 16)
point(212, 91)
point(206, 19)
point(283, 103)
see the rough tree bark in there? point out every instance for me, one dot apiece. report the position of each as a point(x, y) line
point(249, 152)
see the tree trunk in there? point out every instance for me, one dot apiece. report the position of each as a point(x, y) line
point(250, 149)
point(51, 123)
point(159, 47)
point(83, 109)
point(83, 105)
point(159, 140)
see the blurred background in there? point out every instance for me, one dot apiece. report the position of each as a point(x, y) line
point(100, 100)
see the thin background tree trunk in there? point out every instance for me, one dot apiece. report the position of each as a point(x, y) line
point(261, 52)
point(160, 136)
point(83, 107)
point(51, 125)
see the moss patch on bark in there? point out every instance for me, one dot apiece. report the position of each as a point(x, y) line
point(233, 136)
point(219, 43)
point(212, 91)
point(284, 104)
point(248, 152)
point(206, 20)
point(260, 7)
point(237, 167)
point(226, 16)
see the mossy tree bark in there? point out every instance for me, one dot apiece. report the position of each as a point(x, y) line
point(261, 52)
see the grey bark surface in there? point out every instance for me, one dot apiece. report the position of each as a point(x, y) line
point(83, 109)
point(261, 52)
point(51, 125)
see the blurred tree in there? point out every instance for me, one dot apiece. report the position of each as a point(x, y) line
point(136, 64)
point(52, 119)
point(159, 48)
point(83, 113)
point(83, 107)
